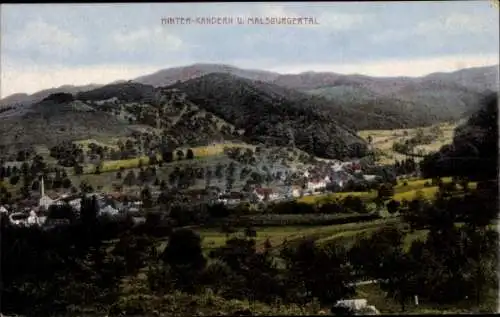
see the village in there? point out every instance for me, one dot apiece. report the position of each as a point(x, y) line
point(313, 180)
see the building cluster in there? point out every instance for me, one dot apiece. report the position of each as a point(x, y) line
point(35, 211)
point(311, 181)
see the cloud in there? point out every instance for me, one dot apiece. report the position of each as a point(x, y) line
point(342, 21)
point(33, 78)
point(399, 67)
point(457, 23)
point(131, 36)
point(41, 38)
point(154, 38)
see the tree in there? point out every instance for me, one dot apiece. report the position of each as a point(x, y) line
point(14, 180)
point(88, 211)
point(180, 155)
point(66, 183)
point(153, 160)
point(385, 191)
point(219, 171)
point(250, 232)
point(35, 185)
point(130, 179)
point(319, 272)
point(146, 197)
point(393, 206)
point(381, 257)
point(185, 257)
point(78, 169)
point(189, 154)
point(167, 156)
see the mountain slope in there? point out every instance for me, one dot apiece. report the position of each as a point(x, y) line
point(274, 115)
point(53, 120)
point(413, 101)
point(170, 76)
point(362, 102)
point(24, 99)
point(474, 150)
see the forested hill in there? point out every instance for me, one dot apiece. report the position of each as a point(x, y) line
point(474, 151)
point(363, 102)
point(275, 115)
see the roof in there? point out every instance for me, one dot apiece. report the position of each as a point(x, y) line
point(263, 191)
point(196, 192)
point(316, 181)
point(71, 197)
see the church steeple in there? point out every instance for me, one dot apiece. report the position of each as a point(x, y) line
point(42, 187)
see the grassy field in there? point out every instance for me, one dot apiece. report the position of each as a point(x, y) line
point(401, 191)
point(199, 152)
point(213, 238)
point(382, 141)
point(387, 305)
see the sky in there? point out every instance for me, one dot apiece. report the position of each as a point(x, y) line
point(49, 45)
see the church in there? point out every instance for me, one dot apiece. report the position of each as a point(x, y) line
point(45, 200)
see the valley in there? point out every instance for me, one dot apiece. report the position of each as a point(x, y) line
point(249, 161)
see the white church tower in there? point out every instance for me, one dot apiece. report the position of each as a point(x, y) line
point(45, 201)
point(42, 188)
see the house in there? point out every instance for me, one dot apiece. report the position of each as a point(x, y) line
point(75, 203)
point(50, 223)
point(197, 193)
point(353, 304)
point(34, 220)
point(3, 210)
point(315, 185)
point(232, 198)
point(370, 178)
point(265, 194)
point(109, 210)
point(296, 191)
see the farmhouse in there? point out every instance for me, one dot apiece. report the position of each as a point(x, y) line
point(294, 191)
point(265, 194)
point(232, 198)
point(315, 185)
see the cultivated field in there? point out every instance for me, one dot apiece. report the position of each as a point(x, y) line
point(214, 238)
point(401, 191)
point(383, 140)
point(199, 152)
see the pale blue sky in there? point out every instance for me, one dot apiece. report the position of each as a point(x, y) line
point(48, 45)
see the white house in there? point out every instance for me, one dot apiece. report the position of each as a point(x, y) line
point(232, 198)
point(34, 220)
point(316, 185)
point(108, 210)
point(3, 210)
point(296, 191)
point(354, 304)
point(75, 203)
point(369, 178)
point(337, 167)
